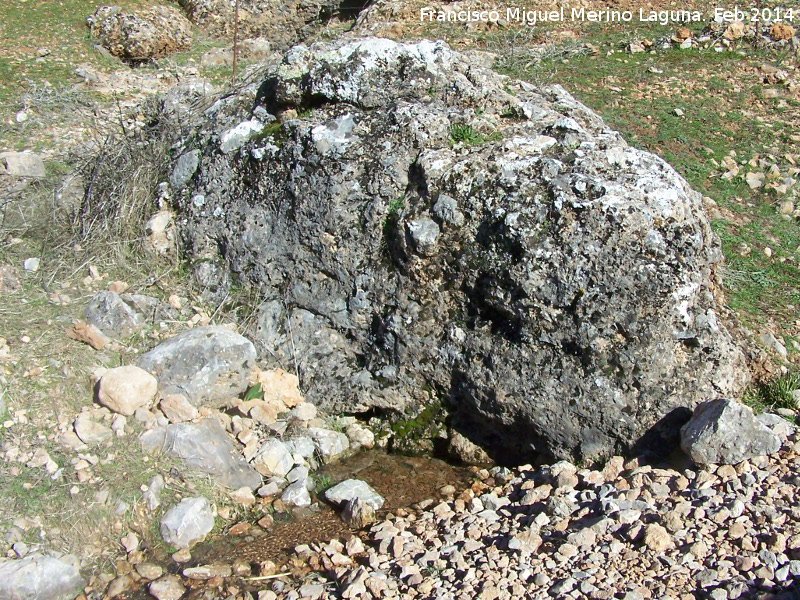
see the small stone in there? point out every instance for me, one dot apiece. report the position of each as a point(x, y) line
point(130, 542)
point(678, 112)
point(208, 571)
point(178, 409)
point(168, 587)
point(31, 265)
point(243, 496)
point(152, 497)
point(124, 389)
point(273, 458)
point(112, 316)
point(329, 444)
point(88, 334)
point(187, 523)
point(182, 555)
point(149, 571)
point(119, 586)
point(91, 432)
point(357, 513)
point(657, 539)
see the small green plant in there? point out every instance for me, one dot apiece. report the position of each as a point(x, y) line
point(466, 134)
point(396, 205)
point(321, 483)
point(254, 393)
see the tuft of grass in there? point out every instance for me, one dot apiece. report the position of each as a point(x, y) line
point(466, 134)
point(773, 394)
point(321, 483)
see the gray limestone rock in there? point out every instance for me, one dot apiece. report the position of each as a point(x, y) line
point(424, 232)
point(273, 458)
point(566, 304)
point(208, 365)
point(726, 432)
point(91, 432)
point(206, 447)
point(184, 169)
point(111, 315)
point(353, 488)
point(358, 513)
point(39, 577)
point(296, 494)
point(187, 523)
point(21, 164)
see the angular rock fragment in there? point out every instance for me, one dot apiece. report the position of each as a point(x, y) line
point(39, 577)
point(111, 315)
point(187, 523)
point(208, 365)
point(726, 432)
point(206, 447)
point(353, 488)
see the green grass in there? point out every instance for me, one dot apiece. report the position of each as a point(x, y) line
point(773, 394)
point(466, 134)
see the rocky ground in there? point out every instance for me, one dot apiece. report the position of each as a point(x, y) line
point(625, 530)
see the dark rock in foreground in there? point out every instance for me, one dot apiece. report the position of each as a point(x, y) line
point(430, 229)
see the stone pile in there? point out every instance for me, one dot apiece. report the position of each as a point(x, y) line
point(626, 530)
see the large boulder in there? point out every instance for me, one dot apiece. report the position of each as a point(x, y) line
point(726, 432)
point(208, 365)
point(39, 577)
point(282, 23)
point(206, 447)
point(149, 33)
point(555, 287)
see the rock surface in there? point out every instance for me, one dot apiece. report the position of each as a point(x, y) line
point(38, 577)
point(206, 447)
point(726, 432)
point(571, 281)
point(187, 523)
point(208, 365)
point(153, 32)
